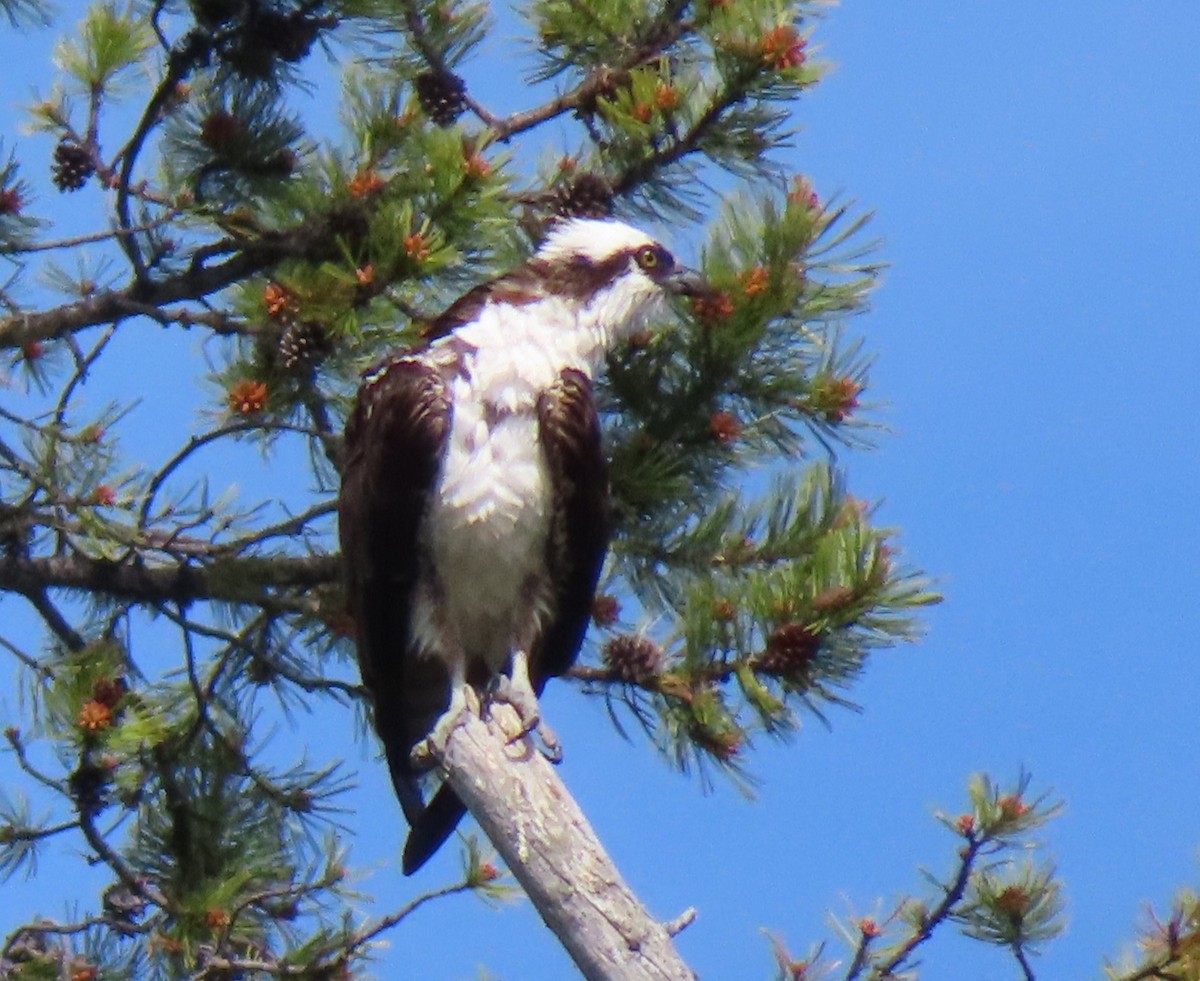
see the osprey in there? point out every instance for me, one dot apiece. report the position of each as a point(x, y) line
point(473, 513)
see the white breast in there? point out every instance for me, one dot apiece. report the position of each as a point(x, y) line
point(490, 514)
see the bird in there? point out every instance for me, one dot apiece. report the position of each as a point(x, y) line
point(473, 513)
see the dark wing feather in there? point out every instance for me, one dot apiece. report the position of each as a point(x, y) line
point(569, 430)
point(394, 443)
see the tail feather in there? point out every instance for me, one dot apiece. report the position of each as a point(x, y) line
point(431, 828)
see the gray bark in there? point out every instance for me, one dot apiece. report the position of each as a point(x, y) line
point(525, 810)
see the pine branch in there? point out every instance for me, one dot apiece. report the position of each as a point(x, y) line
point(198, 281)
point(255, 581)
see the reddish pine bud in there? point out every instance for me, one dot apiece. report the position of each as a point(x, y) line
point(365, 184)
point(278, 300)
point(32, 350)
point(217, 919)
point(94, 716)
point(666, 97)
point(248, 397)
point(476, 166)
point(11, 201)
point(754, 281)
point(725, 427)
point(1014, 901)
point(802, 195)
point(965, 825)
point(869, 928)
point(1012, 807)
point(834, 398)
point(104, 495)
point(643, 112)
point(605, 610)
point(783, 47)
point(488, 872)
point(415, 247)
point(712, 306)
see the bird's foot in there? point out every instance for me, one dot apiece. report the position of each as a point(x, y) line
point(432, 748)
point(520, 696)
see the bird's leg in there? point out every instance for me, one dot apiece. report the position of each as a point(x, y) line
point(515, 689)
point(463, 702)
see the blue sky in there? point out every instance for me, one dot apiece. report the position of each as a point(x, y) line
point(1033, 169)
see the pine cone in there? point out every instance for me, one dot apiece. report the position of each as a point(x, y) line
point(122, 904)
point(790, 651)
point(72, 165)
point(89, 787)
point(303, 343)
point(633, 658)
point(26, 946)
point(214, 13)
point(295, 36)
point(587, 196)
point(442, 95)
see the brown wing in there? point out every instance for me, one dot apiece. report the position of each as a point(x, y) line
point(394, 444)
point(569, 430)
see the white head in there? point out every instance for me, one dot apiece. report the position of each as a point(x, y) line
point(618, 272)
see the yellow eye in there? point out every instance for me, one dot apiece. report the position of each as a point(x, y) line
point(654, 259)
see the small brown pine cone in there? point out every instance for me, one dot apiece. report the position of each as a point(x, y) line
point(587, 196)
point(606, 610)
point(72, 165)
point(633, 658)
point(442, 95)
point(303, 343)
point(109, 691)
point(220, 130)
point(790, 651)
point(26, 946)
point(295, 36)
point(832, 599)
point(89, 787)
point(214, 13)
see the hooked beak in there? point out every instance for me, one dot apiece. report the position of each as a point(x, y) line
point(686, 282)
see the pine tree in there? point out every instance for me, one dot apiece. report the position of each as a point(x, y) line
point(179, 617)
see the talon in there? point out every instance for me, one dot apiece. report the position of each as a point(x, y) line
point(429, 750)
point(550, 748)
point(517, 692)
point(503, 691)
